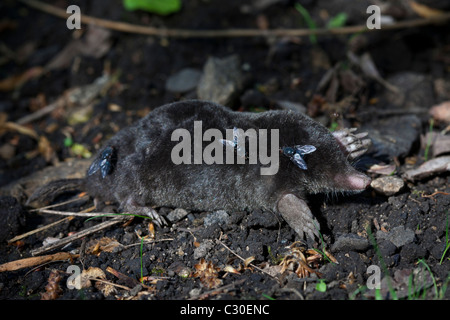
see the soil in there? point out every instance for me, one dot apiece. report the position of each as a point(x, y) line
point(403, 236)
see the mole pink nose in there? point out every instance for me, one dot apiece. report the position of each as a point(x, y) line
point(352, 181)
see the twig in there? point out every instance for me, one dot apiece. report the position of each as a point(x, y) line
point(78, 214)
point(77, 235)
point(250, 264)
point(24, 235)
point(69, 214)
point(229, 33)
point(30, 262)
point(434, 193)
point(39, 113)
point(61, 203)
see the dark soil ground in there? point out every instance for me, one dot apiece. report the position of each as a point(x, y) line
point(402, 237)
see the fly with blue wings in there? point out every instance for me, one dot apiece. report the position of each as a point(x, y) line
point(296, 153)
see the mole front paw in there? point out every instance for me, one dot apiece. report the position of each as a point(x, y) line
point(297, 214)
point(353, 145)
point(133, 208)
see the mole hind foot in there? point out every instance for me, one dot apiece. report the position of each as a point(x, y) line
point(353, 145)
point(297, 214)
point(132, 207)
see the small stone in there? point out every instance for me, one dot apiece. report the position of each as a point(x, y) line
point(195, 292)
point(217, 217)
point(203, 249)
point(399, 236)
point(350, 242)
point(221, 81)
point(388, 185)
point(183, 81)
point(177, 215)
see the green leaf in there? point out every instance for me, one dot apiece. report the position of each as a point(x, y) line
point(68, 142)
point(309, 21)
point(378, 295)
point(338, 21)
point(321, 286)
point(162, 7)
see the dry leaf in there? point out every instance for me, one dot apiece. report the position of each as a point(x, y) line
point(104, 244)
point(52, 289)
point(230, 269)
point(296, 261)
point(128, 281)
point(45, 149)
point(208, 274)
point(429, 168)
point(386, 169)
point(248, 261)
point(151, 230)
point(12, 126)
point(330, 256)
point(441, 112)
point(438, 142)
point(83, 280)
point(106, 288)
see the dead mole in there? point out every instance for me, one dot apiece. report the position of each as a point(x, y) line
point(136, 167)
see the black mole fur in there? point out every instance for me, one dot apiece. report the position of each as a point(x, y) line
point(145, 173)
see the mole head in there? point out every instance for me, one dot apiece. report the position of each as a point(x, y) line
point(329, 170)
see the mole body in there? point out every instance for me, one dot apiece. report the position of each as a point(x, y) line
point(136, 168)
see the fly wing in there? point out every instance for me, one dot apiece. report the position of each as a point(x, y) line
point(235, 135)
point(305, 149)
point(105, 167)
point(299, 162)
point(228, 143)
point(95, 166)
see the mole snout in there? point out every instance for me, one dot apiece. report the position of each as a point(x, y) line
point(355, 181)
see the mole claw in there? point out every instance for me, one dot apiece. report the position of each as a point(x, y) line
point(353, 145)
point(297, 214)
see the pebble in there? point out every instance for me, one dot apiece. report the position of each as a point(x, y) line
point(184, 80)
point(217, 217)
point(399, 236)
point(203, 249)
point(388, 185)
point(221, 81)
point(177, 215)
point(350, 242)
